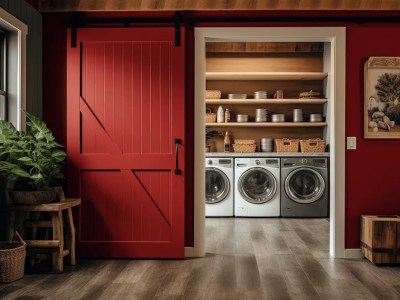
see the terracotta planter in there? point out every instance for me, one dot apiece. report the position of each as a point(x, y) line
point(34, 197)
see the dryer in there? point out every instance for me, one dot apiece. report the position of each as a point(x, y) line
point(304, 186)
point(257, 188)
point(219, 187)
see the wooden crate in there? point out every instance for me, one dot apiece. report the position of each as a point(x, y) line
point(380, 239)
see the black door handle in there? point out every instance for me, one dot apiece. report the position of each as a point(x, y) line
point(177, 143)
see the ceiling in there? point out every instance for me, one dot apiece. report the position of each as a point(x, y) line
point(171, 5)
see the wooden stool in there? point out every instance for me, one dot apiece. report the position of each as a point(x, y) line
point(62, 243)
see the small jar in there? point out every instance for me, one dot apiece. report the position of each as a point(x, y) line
point(227, 116)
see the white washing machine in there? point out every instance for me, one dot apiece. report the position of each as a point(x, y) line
point(257, 187)
point(219, 187)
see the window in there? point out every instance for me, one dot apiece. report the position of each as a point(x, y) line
point(3, 75)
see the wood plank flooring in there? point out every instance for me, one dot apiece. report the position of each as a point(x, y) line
point(246, 259)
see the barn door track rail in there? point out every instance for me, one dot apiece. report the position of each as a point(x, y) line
point(78, 21)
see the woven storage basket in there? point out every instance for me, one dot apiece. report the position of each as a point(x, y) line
point(12, 260)
point(287, 145)
point(312, 145)
point(244, 148)
point(210, 116)
point(311, 94)
point(245, 142)
point(213, 94)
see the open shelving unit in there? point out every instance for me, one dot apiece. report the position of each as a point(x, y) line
point(235, 69)
point(265, 101)
point(268, 124)
point(266, 75)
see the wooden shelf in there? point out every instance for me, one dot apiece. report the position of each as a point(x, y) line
point(266, 75)
point(268, 124)
point(266, 101)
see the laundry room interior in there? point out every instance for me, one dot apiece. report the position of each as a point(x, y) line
point(268, 110)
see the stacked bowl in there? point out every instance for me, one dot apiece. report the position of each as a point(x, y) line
point(261, 115)
point(315, 118)
point(237, 96)
point(278, 118)
point(260, 95)
point(266, 145)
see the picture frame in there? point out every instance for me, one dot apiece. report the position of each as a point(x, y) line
point(382, 98)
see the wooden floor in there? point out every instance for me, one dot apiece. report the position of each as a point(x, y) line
point(246, 259)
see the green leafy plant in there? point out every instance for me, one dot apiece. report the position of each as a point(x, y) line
point(32, 159)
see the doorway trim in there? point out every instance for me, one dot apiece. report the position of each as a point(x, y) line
point(336, 36)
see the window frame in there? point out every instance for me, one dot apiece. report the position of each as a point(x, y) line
point(16, 67)
point(3, 76)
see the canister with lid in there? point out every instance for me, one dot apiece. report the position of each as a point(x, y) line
point(297, 115)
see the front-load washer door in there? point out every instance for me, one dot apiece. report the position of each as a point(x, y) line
point(217, 185)
point(304, 185)
point(257, 185)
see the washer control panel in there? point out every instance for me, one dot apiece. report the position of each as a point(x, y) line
point(219, 162)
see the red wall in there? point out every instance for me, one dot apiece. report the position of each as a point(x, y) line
point(371, 170)
point(371, 177)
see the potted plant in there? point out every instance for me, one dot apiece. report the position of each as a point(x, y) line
point(209, 135)
point(33, 160)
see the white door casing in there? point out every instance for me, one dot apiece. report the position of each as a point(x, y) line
point(335, 37)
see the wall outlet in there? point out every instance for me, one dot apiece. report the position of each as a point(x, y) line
point(351, 143)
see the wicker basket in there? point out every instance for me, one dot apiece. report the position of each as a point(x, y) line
point(245, 142)
point(311, 94)
point(12, 260)
point(213, 94)
point(210, 116)
point(287, 145)
point(312, 145)
point(244, 148)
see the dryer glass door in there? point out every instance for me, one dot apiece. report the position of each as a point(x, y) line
point(257, 185)
point(217, 185)
point(304, 185)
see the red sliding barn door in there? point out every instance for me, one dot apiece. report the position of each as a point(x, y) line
point(125, 110)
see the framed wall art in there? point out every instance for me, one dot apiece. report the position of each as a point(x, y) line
point(382, 98)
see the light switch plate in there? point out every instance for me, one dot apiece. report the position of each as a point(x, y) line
point(351, 143)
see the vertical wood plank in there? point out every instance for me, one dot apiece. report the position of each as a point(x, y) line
point(137, 97)
point(109, 88)
point(155, 97)
point(90, 75)
point(129, 208)
point(83, 71)
point(99, 85)
point(118, 81)
point(24, 10)
point(12, 7)
point(100, 212)
point(146, 97)
point(17, 8)
point(127, 98)
point(4, 4)
point(165, 95)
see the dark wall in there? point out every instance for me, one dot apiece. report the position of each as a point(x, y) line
point(371, 180)
point(31, 17)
